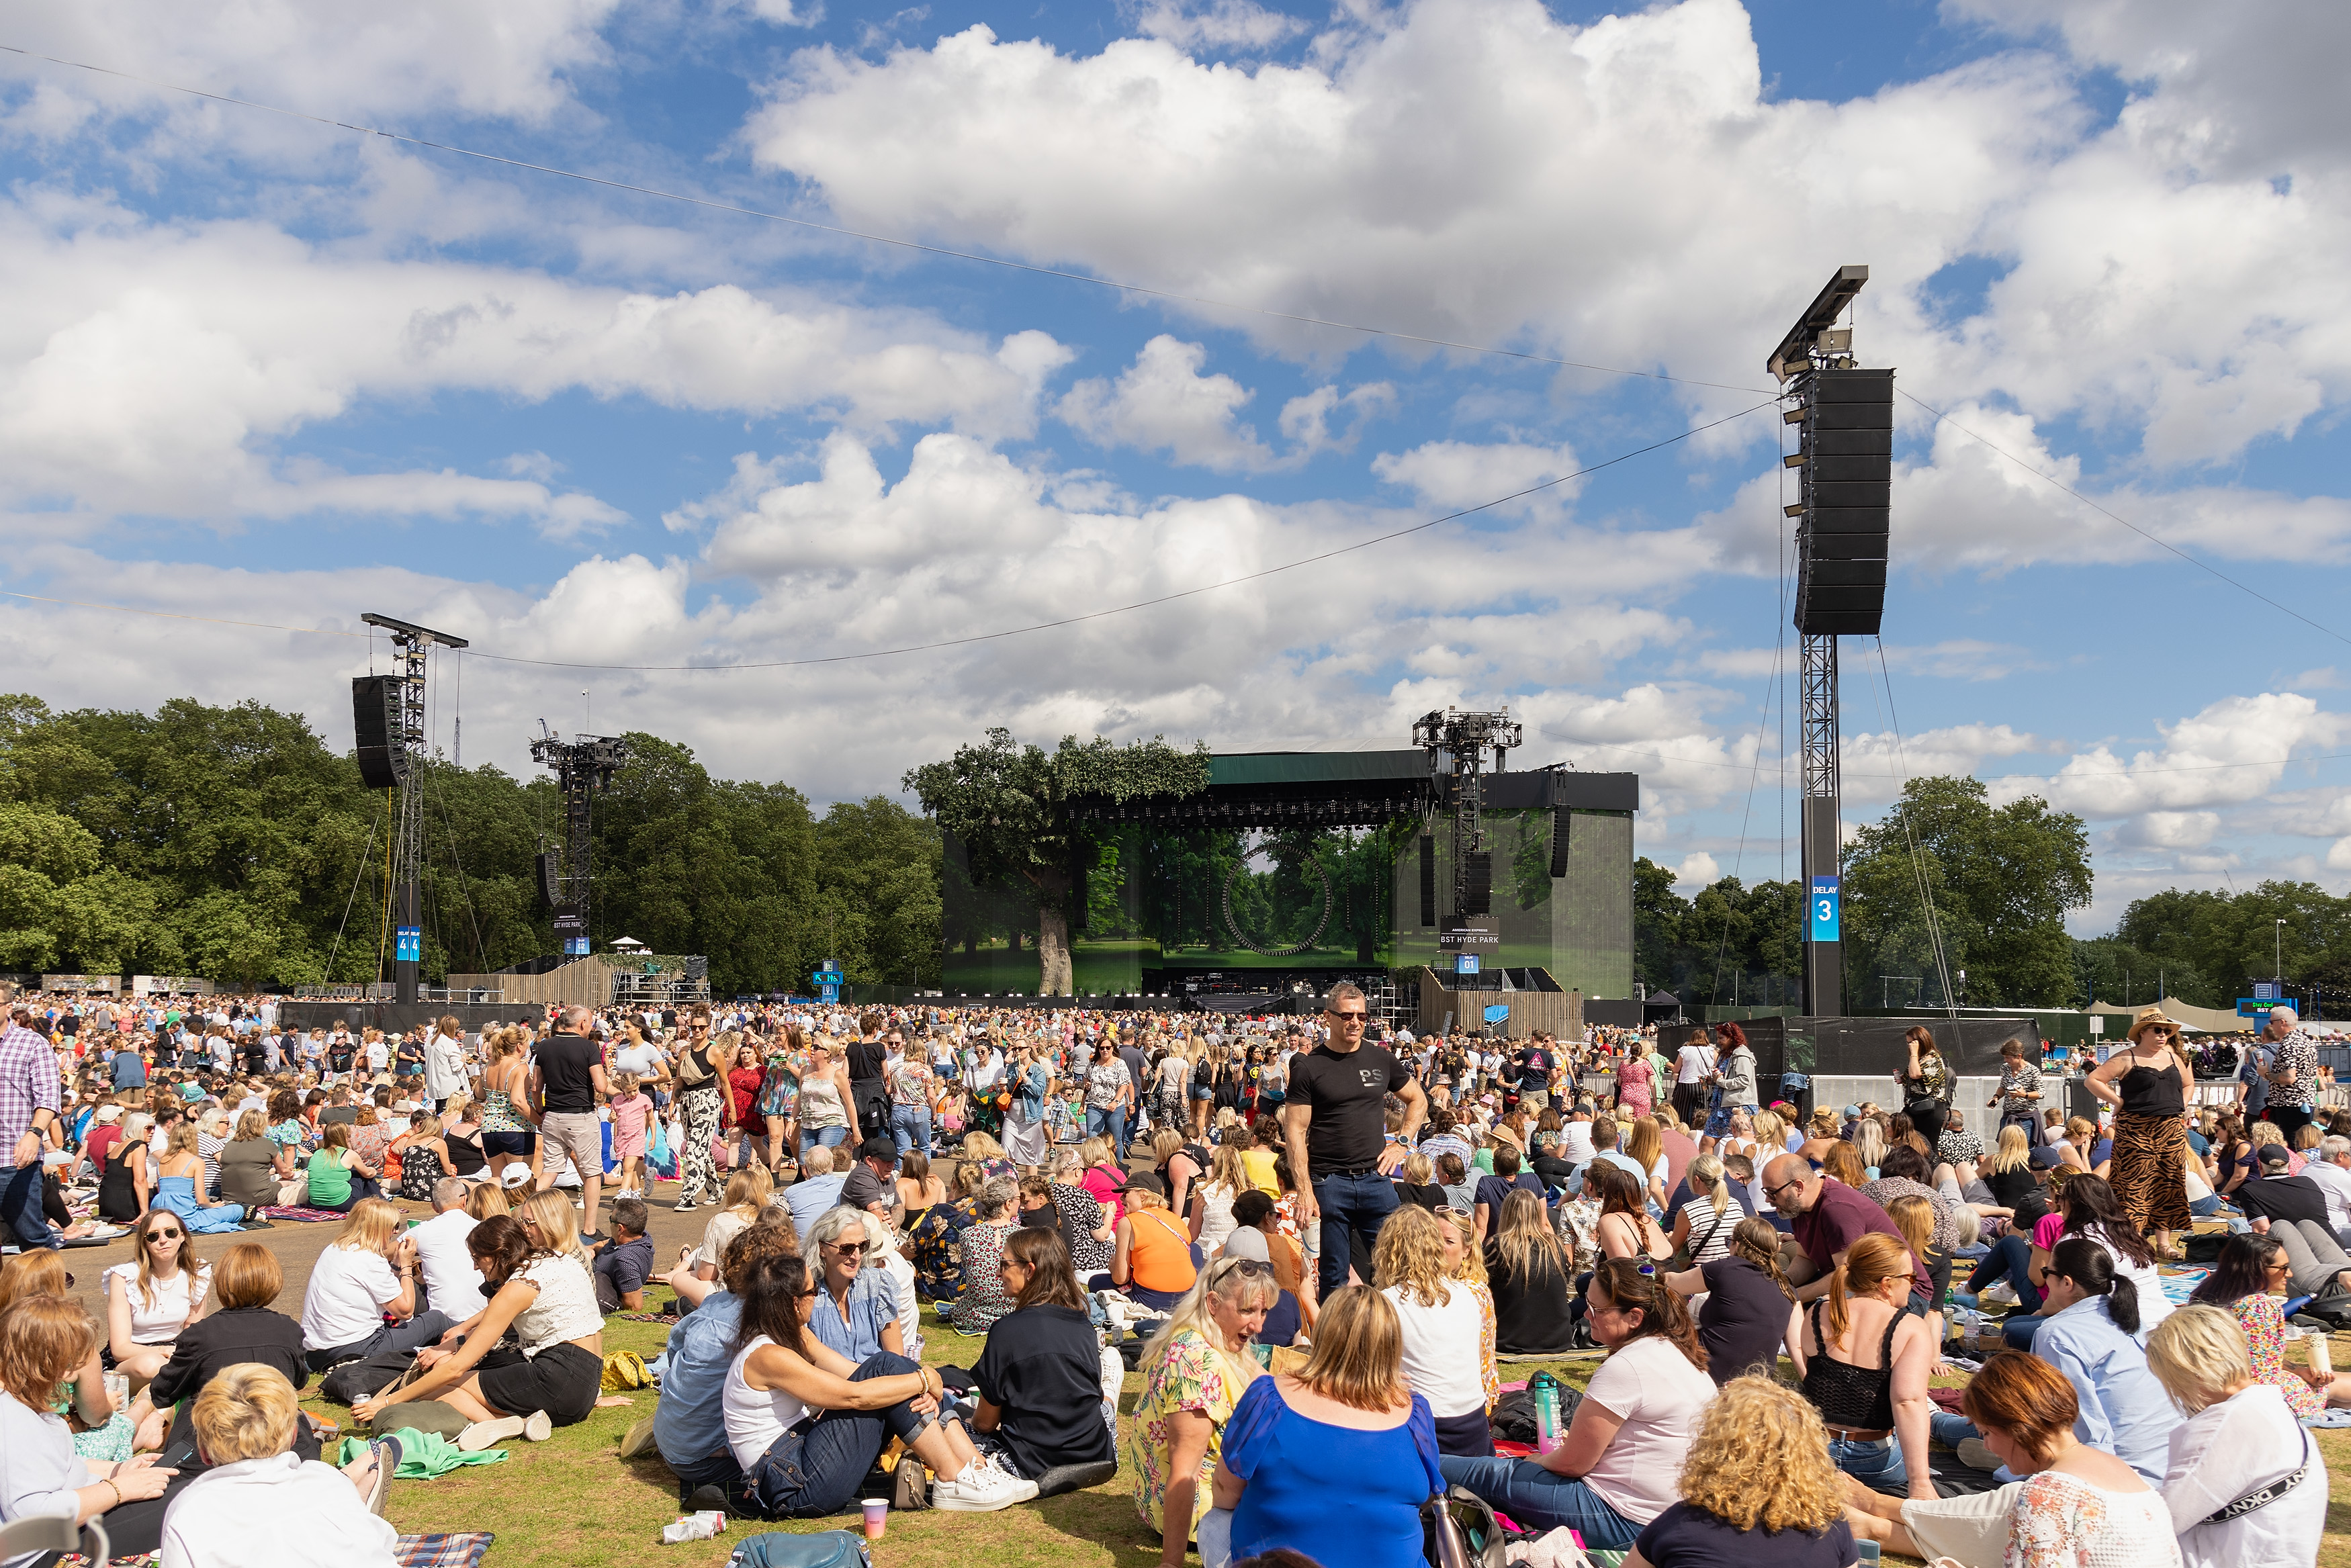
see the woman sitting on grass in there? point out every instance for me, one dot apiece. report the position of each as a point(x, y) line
point(1758, 1487)
point(806, 1424)
point(1195, 1371)
point(338, 1178)
point(259, 1501)
point(552, 1380)
point(1040, 1377)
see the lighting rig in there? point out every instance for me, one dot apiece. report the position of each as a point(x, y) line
point(1464, 739)
point(583, 765)
point(388, 725)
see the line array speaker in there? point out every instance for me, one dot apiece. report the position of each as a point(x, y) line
point(376, 727)
point(1844, 463)
point(547, 859)
point(1559, 831)
point(1478, 890)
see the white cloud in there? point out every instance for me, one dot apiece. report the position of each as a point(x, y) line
point(1239, 27)
point(1452, 474)
point(1698, 869)
point(1162, 403)
point(1876, 764)
point(2229, 752)
point(154, 369)
point(1306, 418)
point(514, 61)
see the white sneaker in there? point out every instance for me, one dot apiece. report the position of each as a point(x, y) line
point(980, 1489)
point(1022, 1487)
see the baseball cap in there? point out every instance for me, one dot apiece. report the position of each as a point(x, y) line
point(2274, 1154)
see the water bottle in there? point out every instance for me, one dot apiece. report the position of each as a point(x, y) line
point(1545, 1388)
point(700, 1526)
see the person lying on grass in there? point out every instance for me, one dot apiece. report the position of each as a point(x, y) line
point(545, 1297)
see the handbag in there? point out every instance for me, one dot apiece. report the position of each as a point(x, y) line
point(2262, 1497)
point(784, 1549)
point(1458, 1530)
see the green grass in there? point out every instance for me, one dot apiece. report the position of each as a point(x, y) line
point(570, 1502)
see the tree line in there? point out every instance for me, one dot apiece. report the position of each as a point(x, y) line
point(232, 843)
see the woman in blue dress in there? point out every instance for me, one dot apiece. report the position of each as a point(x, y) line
point(1333, 1461)
point(182, 1188)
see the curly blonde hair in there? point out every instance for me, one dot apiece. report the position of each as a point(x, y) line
point(1761, 1457)
point(1409, 1257)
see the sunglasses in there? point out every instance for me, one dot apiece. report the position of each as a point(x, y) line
point(165, 1235)
point(849, 1249)
point(1252, 1268)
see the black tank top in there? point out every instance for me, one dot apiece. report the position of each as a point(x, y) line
point(1859, 1398)
point(866, 1058)
point(2147, 1092)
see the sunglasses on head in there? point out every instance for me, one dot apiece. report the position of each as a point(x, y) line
point(1251, 1267)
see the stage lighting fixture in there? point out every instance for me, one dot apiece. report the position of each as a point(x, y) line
point(388, 732)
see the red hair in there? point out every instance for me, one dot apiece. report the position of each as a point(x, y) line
point(1731, 1034)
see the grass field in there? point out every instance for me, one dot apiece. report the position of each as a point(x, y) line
point(570, 1501)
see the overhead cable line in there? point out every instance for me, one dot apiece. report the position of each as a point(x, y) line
point(900, 243)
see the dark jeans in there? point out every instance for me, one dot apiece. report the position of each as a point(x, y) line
point(2289, 1119)
point(2030, 1121)
point(718, 1469)
point(2011, 1259)
point(1352, 1206)
point(815, 1471)
point(1928, 1116)
point(20, 1209)
point(414, 1335)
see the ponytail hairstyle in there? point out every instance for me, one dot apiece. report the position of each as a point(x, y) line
point(1662, 1311)
point(1868, 1264)
point(1756, 1240)
point(2092, 1266)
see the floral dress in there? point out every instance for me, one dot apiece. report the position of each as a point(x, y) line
point(935, 1248)
point(2063, 1521)
point(1487, 1374)
point(984, 1298)
point(2263, 1317)
point(1188, 1375)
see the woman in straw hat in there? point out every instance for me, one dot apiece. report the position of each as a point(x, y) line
point(2149, 1086)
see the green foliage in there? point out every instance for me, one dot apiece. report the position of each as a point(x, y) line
point(1999, 880)
point(229, 843)
point(2209, 946)
point(1732, 943)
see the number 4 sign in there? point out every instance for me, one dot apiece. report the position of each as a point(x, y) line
point(1823, 926)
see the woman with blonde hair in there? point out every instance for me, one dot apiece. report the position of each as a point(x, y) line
point(1756, 1487)
point(2240, 1440)
point(1865, 1362)
point(260, 1501)
point(367, 1274)
point(1153, 1258)
point(151, 1299)
point(1644, 1146)
point(553, 1227)
point(45, 1342)
point(1347, 1413)
point(488, 1197)
point(509, 1124)
point(2014, 1185)
point(424, 1157)
point(251, 1165)
point(1212, 1199)
point(1417, 1261)
point(748, 1191)
point(1532, 1273)
point(180, 1187)
point(1704, 1224)
point(1194, 1370)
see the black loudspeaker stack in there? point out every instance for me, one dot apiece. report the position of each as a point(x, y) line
point(376, 726)
point(1428, 878)
point(1558, 829)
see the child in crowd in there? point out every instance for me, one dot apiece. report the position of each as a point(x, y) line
point(633, 1111)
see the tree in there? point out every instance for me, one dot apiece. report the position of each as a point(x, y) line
point(1009, 804)
point(1993, 883)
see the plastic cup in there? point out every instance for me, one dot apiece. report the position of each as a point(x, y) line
point(877, 1517)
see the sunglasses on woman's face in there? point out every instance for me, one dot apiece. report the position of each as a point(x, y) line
point(165, 1235)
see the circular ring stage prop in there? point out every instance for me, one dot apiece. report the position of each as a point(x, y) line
point(1232, 925)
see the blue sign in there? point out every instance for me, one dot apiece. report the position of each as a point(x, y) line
point(826, 977)
point(408, 944)
point(1465, 963)
point(2256, 1006)
point(2267, 990)
point(1823, 925)
point(1497, 1011)
point(575, 946)
point(830, 991)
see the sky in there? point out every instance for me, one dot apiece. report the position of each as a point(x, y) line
point(710, 473)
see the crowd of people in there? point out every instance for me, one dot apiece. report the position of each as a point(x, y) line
point(1313, 1239)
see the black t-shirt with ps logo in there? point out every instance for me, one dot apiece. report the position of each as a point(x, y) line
point(1344, 1092)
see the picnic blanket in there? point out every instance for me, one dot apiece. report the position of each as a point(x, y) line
point(459, 1550)
point(302, 1216)
point(423, 1455)
point(2178, 1284)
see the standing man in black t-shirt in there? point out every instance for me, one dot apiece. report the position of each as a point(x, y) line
point(567, 1078)
point(1336, 1126)
point(868, 1060)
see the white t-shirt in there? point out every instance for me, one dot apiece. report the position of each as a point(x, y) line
point(1575, 1142)
point(349, 1287)
point(1441, 1350)
point(159, 1321)
point(1652, 1386)
point(1692, 1064)
point(452, 1283)
point(2217, 1455)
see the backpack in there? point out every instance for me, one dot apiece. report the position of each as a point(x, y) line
point(783, 1549)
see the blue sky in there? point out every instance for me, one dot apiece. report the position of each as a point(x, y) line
point(265, 369)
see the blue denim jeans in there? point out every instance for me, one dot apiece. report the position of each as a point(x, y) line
point(1351, 1206)
point(832, 1137)
point(1110, 1124)
point(1877, 1465)
point(805, 1475)
point(2011, 1259)
point(911, 1126)
point(20, 1209)
point(1540, 1501)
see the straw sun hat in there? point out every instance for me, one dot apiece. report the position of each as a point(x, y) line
point(2148, 1018)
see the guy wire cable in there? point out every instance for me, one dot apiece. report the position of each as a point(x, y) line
point(1918, 857)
